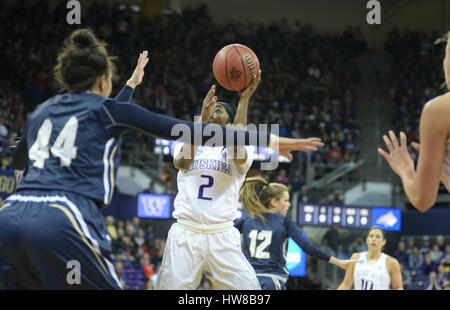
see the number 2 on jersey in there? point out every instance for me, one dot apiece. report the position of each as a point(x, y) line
point(64, 147)
point(202, 187)
point(259, 251)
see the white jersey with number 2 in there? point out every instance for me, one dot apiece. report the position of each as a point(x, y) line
point(373, 276)
point(208, 192)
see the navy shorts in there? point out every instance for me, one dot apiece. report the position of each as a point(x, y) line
point(54, 240)
point(272, 283)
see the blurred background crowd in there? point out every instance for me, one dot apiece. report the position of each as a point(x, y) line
point(309, 87)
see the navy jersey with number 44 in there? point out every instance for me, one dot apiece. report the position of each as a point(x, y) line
point(68, 135)
point(265, 244)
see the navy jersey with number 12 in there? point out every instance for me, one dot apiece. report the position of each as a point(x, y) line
point(265, 244)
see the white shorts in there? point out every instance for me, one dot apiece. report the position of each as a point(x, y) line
point(188, 255)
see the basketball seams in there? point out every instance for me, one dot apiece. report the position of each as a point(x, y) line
point(243, 65)
point(226, 69)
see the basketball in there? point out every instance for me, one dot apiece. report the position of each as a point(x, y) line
point(234, 67)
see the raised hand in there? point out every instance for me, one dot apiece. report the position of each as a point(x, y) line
point(398, 157)
point(248, 92)
point(208, 104)
point(138, 74)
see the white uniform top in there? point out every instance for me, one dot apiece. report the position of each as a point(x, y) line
point(373, 276)
point(447, 160)
point(208, 192)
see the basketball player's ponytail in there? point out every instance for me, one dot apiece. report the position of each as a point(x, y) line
point(256, 194)
point(82, 60)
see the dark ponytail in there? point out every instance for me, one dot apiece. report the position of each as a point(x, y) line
point(82, 60)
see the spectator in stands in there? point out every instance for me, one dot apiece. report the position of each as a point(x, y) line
point(111, 227)
point(442, 276)
point(334, 155)
point(406, 276)
point(3, 129)
point(341, 254)
point(428, 265)
point(446, 262)
point(149, 233)
point(436, 254)
point(297, 181)
point(432, 283)
point(358, 246)
point(400, 254)
point(415, 262)
point(139, 237)
point(426, 245)
point(147, 266)
point(332, 238)
point(410, 243)
point(440, 241)
point(303, 197)
point(281, 177)
point(151, 188)
point(337, 198)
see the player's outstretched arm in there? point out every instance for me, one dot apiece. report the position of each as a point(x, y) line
point(347, 283)
point(184, 158)
point(240, 120)
point(284, 146)
point(126, 93)
point(421, 185)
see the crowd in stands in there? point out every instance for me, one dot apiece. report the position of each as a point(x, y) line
point(308, 84)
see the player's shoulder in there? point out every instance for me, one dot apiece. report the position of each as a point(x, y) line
point(391, 261)
point(438, 104)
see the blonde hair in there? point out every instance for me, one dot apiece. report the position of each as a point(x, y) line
point(256, 194)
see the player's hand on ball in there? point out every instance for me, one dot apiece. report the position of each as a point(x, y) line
point(284, 146)
point(138, 74)
point(248, 92)
point(209, 104)
point(398, 157)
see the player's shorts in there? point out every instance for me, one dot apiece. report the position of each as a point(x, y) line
point(271, 282)
point(54, 240)
point(189, 254)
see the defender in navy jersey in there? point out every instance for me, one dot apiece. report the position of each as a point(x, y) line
point(266, 230)
point(52, 233)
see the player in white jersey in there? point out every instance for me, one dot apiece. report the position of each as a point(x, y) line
point(374, 270)
point(204, 241)
point(421, 185)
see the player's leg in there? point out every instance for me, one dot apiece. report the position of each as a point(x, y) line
point(17, 270)
point(228, 268)
point(66, 237)
point(183, 260)
point(271, 283)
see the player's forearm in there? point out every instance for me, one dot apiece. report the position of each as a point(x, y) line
point(136, 118)
point(413, 191)
point(126, 93)
point(241, 113)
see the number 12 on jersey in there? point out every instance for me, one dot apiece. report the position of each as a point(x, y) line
point(259, 251)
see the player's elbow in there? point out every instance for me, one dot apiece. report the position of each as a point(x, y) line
point(423, 204)
point(180, 164)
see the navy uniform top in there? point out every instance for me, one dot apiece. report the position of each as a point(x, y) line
point(71, 148)
point(71, 141)
point(265, 245)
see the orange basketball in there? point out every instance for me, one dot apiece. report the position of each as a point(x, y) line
point(234, 67)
